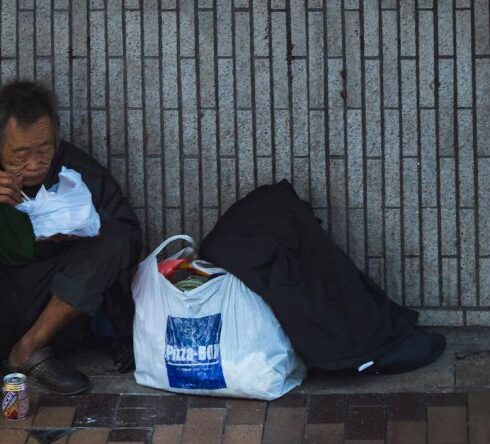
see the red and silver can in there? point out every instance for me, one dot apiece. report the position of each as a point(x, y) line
point(15, 398)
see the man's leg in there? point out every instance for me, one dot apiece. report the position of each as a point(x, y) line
point(54, 317)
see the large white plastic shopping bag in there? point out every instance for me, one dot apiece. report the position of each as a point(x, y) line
point(219, 339)
point(65, 208)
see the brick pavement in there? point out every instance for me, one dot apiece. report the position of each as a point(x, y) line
point(399, 418)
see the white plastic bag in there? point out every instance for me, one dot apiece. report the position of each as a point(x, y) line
point(65, 208)
point(220, 339)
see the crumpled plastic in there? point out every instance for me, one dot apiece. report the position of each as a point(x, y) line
point(66, 208)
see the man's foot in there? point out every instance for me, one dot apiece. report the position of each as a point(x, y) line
point(53, 375)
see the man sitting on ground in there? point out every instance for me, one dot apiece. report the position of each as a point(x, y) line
point(47, 287)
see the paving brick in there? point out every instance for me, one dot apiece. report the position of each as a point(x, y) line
point(284, 424)
point(263, 107)
point(463, 61)
point(14, 436)
point(133, 58)
point(61, 62)
point(282, 145)
point(206, 58)
point(334, 28)
point(323, 433)
point(226, 106)
point(245, 153)
point(448, 206)
point(482, 69)
point(338, 202)
point(373, 112)
point(484, 206)
point(54, 417)
point(371, 27)
point(224, 34)
point(243, 434)
point(135, 159)
point(279, 61)
point(390, 59)
point(228, 183)
point(392, 165)
point(26, 44)
point(316, 59)
point(261, 29)
point(43, 28)
point(484, 281)
point(116, 107)
point(376, 271)
point(366, 423)
point(355, 164)
point(242, 59)
point(152, 100)
point(150, 27)
point(407, 28)
point(153, 173)
point(409, 107)
point(405, 432)
point(450, 272)
point(445, 28)
point(99, 136)
point(318, 160)
point(246, 412)
point(301, 179)
point(393, 254)
point(374, 206)
point(187, 29)
point(353, 58)
point(298, 27)
point(129, 435)
point(336, 108)
point(466, 160)
point(428, 150)
point(79, 31)
point(89, 436)
point(44, 71)
point(300, 110)
point(430, 262)
point(412, 293)
point(411, 210)
point(169, 60)
point(114, 28)
point(357, 241)
point(192, 219)
point(426, 58)
point(209, 163)
point(446, 111)
point(170, 434)
point(447, 424)
point(468, 258)
point(189, 106)
point(448, 318)
point(98, 66)
point(203, 426)
point(482, 23)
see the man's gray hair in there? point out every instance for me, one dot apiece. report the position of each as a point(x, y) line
point(27, 101)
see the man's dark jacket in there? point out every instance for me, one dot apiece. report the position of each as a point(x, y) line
point(335, 316)
point(85, 273)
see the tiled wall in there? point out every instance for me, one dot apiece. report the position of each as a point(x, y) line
point(377, 111)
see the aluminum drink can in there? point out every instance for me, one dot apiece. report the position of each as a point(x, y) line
point(15, 398)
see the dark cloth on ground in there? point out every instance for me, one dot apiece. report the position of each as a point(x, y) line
point(86, 273)
point(335, 316)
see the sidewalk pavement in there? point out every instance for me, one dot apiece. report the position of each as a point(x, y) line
point(446, 402)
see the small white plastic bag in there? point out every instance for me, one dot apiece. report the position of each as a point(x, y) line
point(66, 208)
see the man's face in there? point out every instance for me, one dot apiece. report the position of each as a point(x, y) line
point(28, 150)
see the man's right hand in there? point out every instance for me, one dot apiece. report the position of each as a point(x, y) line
point(10, 185)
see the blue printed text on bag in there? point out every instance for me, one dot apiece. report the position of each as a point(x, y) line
point(192, 353)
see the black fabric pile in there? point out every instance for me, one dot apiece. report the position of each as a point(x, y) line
point(335, 316)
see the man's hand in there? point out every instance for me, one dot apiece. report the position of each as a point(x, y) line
point(10, 185)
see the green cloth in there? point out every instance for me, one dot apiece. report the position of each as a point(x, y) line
point(17, 241)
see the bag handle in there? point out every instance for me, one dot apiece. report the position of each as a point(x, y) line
point(171, 239)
